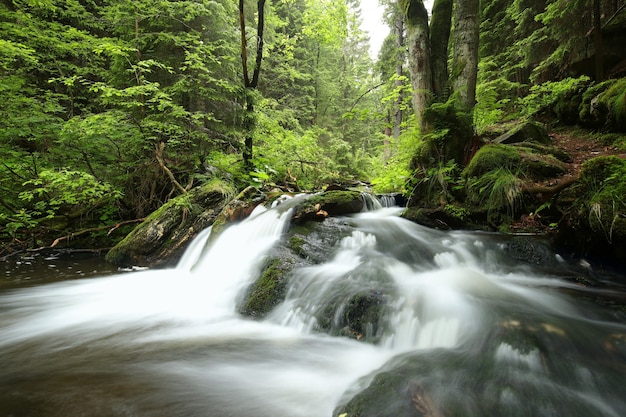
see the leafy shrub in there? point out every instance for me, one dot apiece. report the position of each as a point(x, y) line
point(65, 193)
point(552, 94)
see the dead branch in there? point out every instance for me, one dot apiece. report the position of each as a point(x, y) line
point(158, 152)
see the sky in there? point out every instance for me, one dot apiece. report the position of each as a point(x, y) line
point(372, 15)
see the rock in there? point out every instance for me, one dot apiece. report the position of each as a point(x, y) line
point(329, 203)
point(269, 290)
point(238, 209)
point(527, 131)
point(530, 161)
point(164, 234)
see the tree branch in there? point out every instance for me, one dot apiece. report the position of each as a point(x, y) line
point(159, 156)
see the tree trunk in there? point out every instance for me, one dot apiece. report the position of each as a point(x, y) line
point(418, 39)
point(399, 28)
point(251, 84)
point(440, 26)
point(465, 58)
point(597, 41)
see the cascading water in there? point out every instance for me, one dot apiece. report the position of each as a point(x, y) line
point(464, 329)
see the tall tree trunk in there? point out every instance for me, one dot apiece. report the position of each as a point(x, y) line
point(597, 41)
point(440, 26)
point(399, 28)
point(251, 84)
point(465, 58)
point(418, 40)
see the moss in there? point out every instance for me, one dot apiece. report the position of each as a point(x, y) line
point(595, 209)
point(452, 130)
point(533, 161)
point(296, 244)
point(329, 203)
point(491, 157)
point(166, 230)
point(269, 290)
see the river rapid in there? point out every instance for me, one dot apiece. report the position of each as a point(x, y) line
point(466, 325)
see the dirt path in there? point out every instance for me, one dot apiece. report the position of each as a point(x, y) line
point(582, 149)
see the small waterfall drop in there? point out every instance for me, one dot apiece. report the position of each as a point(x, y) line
point(470, 331)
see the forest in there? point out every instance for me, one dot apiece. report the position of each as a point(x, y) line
point(112, 108)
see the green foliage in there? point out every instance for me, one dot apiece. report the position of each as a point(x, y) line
point(72, 195)
point(498, 191)
point(602, 195)
point(394, 174)
point(546, 96)
point(434, 184)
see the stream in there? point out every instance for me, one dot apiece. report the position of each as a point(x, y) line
point(464, 327)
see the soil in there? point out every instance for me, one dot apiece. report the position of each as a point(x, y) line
point(581, 147)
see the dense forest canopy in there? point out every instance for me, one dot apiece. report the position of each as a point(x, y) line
point(111, 108)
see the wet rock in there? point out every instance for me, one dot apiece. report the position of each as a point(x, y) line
point(164, 234)
point(329, 203)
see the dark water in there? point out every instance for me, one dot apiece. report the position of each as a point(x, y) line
point(463, 322)
point(37, 268)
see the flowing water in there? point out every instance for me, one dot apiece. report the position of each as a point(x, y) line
point(481, 332)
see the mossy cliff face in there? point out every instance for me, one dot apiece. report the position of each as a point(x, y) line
point(165, 233)
point(594, 210)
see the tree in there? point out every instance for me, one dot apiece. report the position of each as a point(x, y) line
point(428, 53)
point(251, 83)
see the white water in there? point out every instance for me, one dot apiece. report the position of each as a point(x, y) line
point(171, 343)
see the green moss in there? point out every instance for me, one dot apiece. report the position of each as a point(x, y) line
point(268, 291)
point(600, 198)
point(296, 244)
point(452, 130)
point(491, 157)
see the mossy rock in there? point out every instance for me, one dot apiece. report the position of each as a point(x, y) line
point(604, 106)
point(355, 316)
point(238, 209)
point(269, 290)
point(329, 203)
point(164, 234)
point(525, 132)
point(449, 217)
point(529, 161)
point(594, 210)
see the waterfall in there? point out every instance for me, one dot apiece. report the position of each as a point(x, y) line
point(450, 315)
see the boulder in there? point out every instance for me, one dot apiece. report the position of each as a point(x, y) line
point(527, 131)
point(162, 237)
point(329, 204)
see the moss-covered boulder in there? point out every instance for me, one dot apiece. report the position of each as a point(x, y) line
point(594, 210)
point(329, 203)
point(237, 209)
point(269, 290)
point(164, 234)
point(531, 161)
point(525, 132)
point(604, 106)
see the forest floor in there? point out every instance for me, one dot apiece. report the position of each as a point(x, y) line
point(581, 145)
